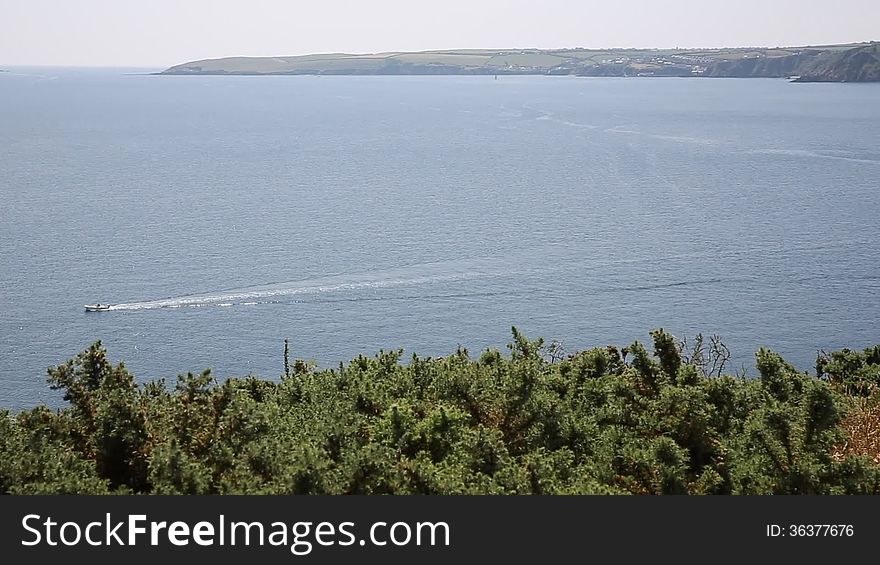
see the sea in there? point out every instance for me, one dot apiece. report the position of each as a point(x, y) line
point(221, 215)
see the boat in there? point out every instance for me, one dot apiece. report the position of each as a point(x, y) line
point(97, 307)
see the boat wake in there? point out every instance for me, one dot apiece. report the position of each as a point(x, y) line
point(550, 118)
point(274, 293)
point(835, 155)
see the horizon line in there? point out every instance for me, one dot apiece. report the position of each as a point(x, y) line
point(363, 53)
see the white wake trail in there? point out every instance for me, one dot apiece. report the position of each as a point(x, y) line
point(416, 275)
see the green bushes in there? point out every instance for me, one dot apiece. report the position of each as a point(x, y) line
point(599, 421)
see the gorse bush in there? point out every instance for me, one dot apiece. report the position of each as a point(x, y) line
point(606, 420)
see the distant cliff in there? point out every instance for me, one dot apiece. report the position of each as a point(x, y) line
point(858, 64)
point(861, 64)
point(854, 62)
point(764, 67)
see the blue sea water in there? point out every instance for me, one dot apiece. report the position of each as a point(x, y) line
point(224, 214)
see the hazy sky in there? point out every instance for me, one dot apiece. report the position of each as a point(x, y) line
point(159, 33)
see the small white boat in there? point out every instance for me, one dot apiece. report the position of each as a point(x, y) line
point(97, 307)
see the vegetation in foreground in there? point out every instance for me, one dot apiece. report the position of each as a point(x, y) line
point(535, 421)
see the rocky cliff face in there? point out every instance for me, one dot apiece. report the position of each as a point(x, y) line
point(861, 64)
point(763, 67)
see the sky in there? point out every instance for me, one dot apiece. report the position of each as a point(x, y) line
point(161, 33)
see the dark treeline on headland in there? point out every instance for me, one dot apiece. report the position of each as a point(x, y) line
point(607, 420)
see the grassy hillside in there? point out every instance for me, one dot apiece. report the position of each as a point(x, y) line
point(535, 421)
point(739, 62)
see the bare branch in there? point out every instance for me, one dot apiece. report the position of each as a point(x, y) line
point(709, 360)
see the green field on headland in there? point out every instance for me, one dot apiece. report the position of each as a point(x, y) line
point(851, 62)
